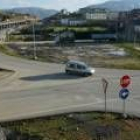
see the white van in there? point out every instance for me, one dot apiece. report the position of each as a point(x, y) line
point(80, 68)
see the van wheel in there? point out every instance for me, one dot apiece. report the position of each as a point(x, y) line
point(86, 74)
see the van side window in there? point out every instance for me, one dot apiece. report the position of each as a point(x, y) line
point(83, 67)
point(80, 67)
point(72, 66)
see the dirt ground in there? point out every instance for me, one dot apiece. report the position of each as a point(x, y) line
point(96, 55)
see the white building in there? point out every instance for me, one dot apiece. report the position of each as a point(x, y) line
point(96, 16)
point(64, 21)
point(137, 28)
point(72, 22)
point(112, 16)
point(101, 16)
point(65, 12)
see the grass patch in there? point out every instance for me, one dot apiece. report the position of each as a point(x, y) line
point(127, 63)
point(113, 62)
point(77, 126)
point(129, 47)
point(8, 51)
point(131, 62)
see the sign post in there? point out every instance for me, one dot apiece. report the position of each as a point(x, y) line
point(105, 86)
point(124, 93)
point(125, 81)
point(124, 112)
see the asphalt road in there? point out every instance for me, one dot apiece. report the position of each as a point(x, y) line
point(39, 89)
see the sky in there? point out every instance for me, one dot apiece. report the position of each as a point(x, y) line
point(71, 5)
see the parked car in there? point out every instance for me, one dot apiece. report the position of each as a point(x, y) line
point(79, 68)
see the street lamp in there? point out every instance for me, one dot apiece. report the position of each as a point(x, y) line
point(135, 38)
point(34, 39)
point(7, 35)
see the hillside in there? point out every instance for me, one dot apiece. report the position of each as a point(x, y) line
point(39, 12)
point(116, 5)
point(4, 16)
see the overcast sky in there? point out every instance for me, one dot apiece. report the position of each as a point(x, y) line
point(49, 4)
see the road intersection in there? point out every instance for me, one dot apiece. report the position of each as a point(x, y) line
point(39, 89)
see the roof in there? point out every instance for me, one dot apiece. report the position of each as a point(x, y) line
point(78, 62)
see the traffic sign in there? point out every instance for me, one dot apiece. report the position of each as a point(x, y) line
point(125, 81)
point(105, 85)
point(124, 93)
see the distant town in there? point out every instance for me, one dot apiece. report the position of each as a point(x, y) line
point(101, 24)
point(94, 24)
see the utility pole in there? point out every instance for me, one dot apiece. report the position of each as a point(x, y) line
point(7, 35)
point(117, 33)
point(34, 39)
point(134, 39)
point(105, 86)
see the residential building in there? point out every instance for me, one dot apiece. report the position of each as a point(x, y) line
point(64, 12)
point(129, 25)
point(102, 16)
point(96, 16)
point(112, 16)
point(72, 22)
